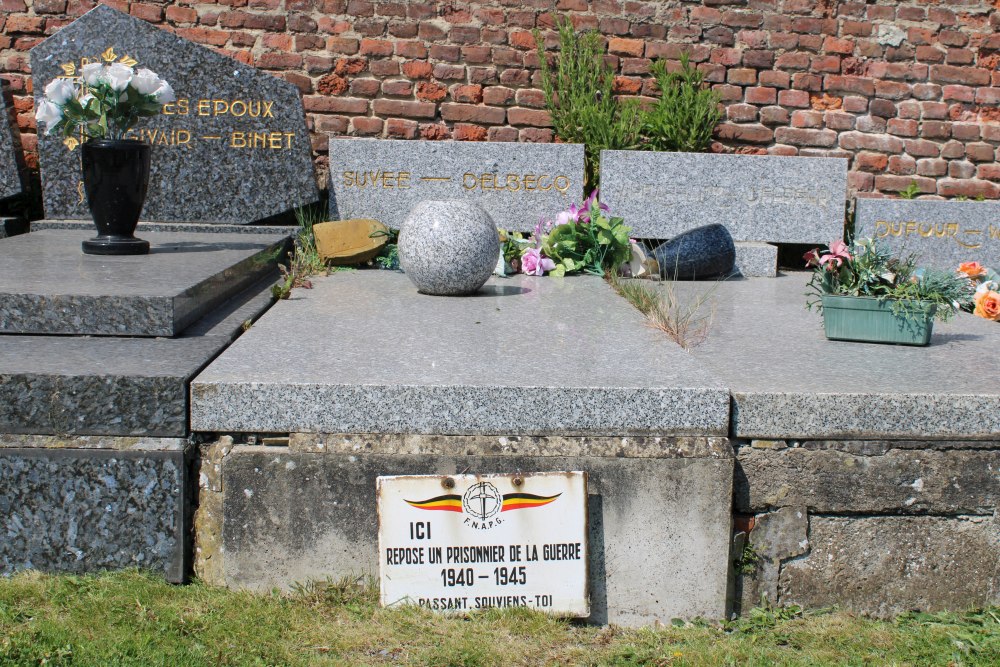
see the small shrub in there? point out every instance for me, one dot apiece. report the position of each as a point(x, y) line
point(685, 115)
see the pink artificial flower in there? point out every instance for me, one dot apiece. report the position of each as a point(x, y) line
point(812, 257)
point(572, 214)
point(838, 254)
point(588, 203)
point(534, 264)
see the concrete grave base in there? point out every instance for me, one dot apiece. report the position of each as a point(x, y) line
point(89, 504)
point(12, 226)
point(658, 512)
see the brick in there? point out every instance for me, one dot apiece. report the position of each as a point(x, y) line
point(175, 14)
point(774, 115)
point(728, 93)
point(932, 167)
point(483, 75)
point(445, 72)
point(988, 96)
point(989, 172)
point(958, 94)
point(350, 105)
point(855, 104)
point(727, 57)
point(970, 76)
point(961, 169)
point(775, 79)
point(502, 134)
point(532, 117)
point(332, 84)
point(383, 68)
point(882, 108)
point(758, 58)
point(902, 128)
point(953, 149)
point(807, 119)
point(626, 47)
point(805, 137)
point(410, 49)
point(741, 113)
point(902, 165)
point(926, 91)
point(397, 88)
point(464, 35)
point(476, 55)
point(446, 52)
point(418, 69)
point(364, 87)
point(889, 183)
point(793, 61)
point(922, 148)
point(960, 57)
point(530, 97)
point(892, 90)
point(751, 133)
point(934, 110)
point(825, 64)
point(980, 152)
point(805, 81)
point(279, 61)
point(860, 182)
point(466, 132)
point(429, 91)
point(761, 95)
point(366, 126)
point(849, 84)
point(966, 131)
point(967, 188)
point(881, 143)
point(838, 45)
point(871, 162)
point(793, 98)
point(434, 132)
point(838, 120)
point(473, 94)
point(498, 95)
point(935, 129)
point(741, 77)
point(787, 151)
point(472, 113)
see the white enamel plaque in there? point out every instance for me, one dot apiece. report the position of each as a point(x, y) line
point(465, 542)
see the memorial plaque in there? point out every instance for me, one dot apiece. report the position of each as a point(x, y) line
point(757, 197)
point(517, 184)
point(10, 160)
point(466, 542)
point(233, 148)
point(942, 234)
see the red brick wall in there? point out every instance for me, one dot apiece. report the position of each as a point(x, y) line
point(909, 90)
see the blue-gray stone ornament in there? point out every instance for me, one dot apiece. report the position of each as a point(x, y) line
point(448, 247)
point(703, 252)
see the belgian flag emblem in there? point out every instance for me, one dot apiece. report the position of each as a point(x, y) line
point(511, 501)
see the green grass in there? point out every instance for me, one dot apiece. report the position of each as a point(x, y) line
point(131, 618)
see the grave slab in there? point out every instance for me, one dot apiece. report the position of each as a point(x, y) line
point(86, 510)
point(942, 234)
point(756, 260)
point(528, 354)
point(233, 148)
point(658, 512)
point(11, 162)
point(757, 197)
point(187, 227)
point(517, 184)
point(105, 386)
point(12, 227)
point(48, 286)
point(788, 381)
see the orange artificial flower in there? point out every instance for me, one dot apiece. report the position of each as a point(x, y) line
point(972, 269)
point(988, 305)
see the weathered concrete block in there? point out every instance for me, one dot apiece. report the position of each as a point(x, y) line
point(909, 481)
point(659, 521)
point(886, 565)
point(84, 510)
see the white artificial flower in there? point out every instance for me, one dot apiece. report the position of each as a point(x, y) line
point(85, 100)
point(146, 82)
point(49, 114)
point(164, 94)
point(60, 91)
point(119, 76)
point(93, 73)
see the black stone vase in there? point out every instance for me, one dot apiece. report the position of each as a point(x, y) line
point(115, 178)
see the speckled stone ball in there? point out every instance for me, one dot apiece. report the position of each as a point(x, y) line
point(448, 248)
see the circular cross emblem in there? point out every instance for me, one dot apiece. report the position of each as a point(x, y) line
point(482, 500)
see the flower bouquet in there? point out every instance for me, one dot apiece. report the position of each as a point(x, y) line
point(985, 300)
point(103, 104)
point(866, 294)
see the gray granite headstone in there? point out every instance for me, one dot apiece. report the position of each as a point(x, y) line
point(942, 234)
point(757, 197)
point(11, 182)
point(233, 148)
point(517, 184)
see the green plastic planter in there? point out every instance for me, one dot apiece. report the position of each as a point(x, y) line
point(866, 319)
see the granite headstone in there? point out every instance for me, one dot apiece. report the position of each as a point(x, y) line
point(233, 148)
point(942, 234)
point(757, 197)
point(11, 173)
point(517, 184)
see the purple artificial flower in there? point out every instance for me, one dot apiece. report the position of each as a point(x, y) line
point(534, 264)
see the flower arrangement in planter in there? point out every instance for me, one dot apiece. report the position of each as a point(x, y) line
point(103, 104)
point(985, 300)
point(866, 294)
point(582, 239)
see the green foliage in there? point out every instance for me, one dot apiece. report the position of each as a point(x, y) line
point(579, 95)
point(686, 113)
point(592, 247)
point(388, 256)
point(685, 316)
point(303, 260)
point(747, 563)
point(910, 192)
point(869, 269)
point(106, 115)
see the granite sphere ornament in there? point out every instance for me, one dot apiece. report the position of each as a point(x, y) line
point(449, 247)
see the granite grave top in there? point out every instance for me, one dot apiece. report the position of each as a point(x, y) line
point(11, 181)
point(757, 197)
point(233, 148)
point(48, 286)
point(943, 234)
point(110, 386)
point(788, 381)
point(517, 184)
point(524, 356)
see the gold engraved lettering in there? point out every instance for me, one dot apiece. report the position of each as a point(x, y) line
point(71, 143)
point(530, 182)
point(404, 180)
point(109, 55)
point(267, 109)
point(242, 107)
point(204, 107)
point(542, 179)
point(437, 178)
point(881, 229)
point(513, 184)
point(466, 178)
point(69, 69)
point(220, 107)
point(994, 232)
point(562, 184)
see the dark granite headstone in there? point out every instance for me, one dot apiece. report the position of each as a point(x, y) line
point(233, 148)
point(703, 252)
point(11, 173)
